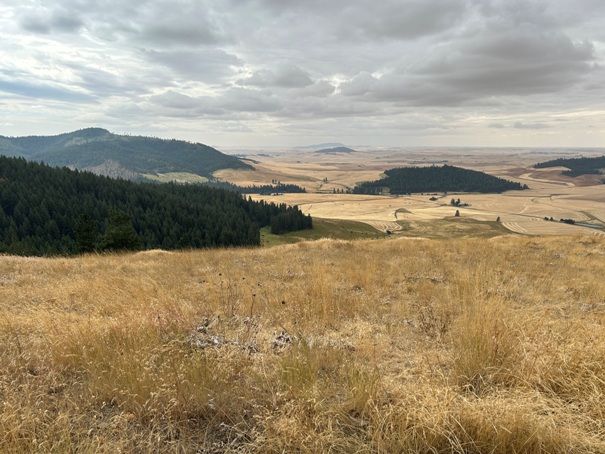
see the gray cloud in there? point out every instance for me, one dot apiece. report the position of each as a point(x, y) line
point(521, 125)
point(485, 65)
point(465, 67)
point(180, 23)
point(412, 19)
point(207, 64)
point(233, 102)
point(43, 92)
point(57, 20)
point(102, 83)
point(320, 88)
point(359, 85)
point(284, 75)
point(174, 100)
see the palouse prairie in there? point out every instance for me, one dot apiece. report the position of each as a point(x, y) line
point(394, 345)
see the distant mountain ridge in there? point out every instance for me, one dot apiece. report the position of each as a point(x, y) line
point(320, 145)
point(335, 150)
point(129, 157)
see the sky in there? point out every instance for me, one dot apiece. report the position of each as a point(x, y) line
point(283, 73)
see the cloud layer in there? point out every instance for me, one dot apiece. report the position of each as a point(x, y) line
point(285, 72)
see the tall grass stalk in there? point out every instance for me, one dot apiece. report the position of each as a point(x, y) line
point(383, 346)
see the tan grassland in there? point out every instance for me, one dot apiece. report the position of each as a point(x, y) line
point(550, 194)
point(176, 177)
point(381, 346)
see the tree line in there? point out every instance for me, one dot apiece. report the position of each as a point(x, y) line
point(48, 211)
point(406, 180)
point(264, 189)
point(576, 166)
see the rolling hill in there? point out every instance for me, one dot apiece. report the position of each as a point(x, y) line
point(318, 146)
point(437, 179)
point(129, 157)
point(335, 150)
point(576, 166)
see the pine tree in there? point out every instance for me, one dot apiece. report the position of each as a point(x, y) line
point(86, 234)
point(120, 233)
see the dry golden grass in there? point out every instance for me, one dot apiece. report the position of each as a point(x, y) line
point(396, 345)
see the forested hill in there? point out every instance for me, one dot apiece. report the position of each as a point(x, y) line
point(46, 210)
point(576, 166)
point(129, 157)
point(437, 179)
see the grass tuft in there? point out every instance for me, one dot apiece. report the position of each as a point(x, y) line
point(399, 345)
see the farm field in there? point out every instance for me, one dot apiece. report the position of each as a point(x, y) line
point(551, 194)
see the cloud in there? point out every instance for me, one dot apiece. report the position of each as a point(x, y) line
point(157, 23)
point(278, 63)
point(46, 22)
point(484, 65)
point(283, 75)
point(174, 100)
point(407, 20)
point(232, 102)
point(521, 125)
point(205, 65)
point(102, 83)
point(319, 88)
point(521, 62)
point(359, 85)
point(239, 100)
point(179, 24)
point(42, 91)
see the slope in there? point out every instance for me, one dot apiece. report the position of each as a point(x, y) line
point(466, 346)
point(47, 211)
point(118, 155)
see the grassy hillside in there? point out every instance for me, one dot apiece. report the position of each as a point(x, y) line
point(129, 157)
point(324, 228)
point(450, 228)
point(400, 345)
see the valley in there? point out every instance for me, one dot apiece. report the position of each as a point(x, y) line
point(551, 194)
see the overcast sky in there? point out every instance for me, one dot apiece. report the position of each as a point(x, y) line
point(297, 72)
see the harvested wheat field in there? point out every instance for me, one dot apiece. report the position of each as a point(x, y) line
point(383, 346)
point(551, 194)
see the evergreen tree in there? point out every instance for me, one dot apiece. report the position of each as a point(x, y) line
point(406, 180)
point(41, 213)
point(576, 166)
point(86, 234)
point(120, 233)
